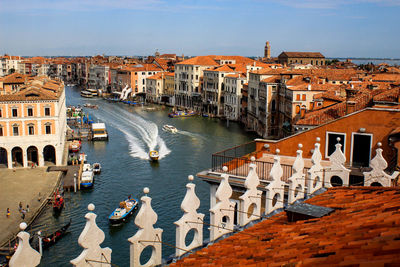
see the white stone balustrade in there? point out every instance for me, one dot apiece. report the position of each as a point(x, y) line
point(222, 214)
point(90, 239)
point(147, 235)
point(377, 175)
point(251, 198)
point(190, 220)
point(316, 172)
point(337, 168)
point(25, 255)
point(275, 189)
point(298, 179)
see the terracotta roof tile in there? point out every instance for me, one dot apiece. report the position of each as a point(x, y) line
point(199, 60)
point(356, 233)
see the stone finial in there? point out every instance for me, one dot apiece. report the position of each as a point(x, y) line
point(252, 197)
point(337, 168)
point(378, 174)
point(297, 180)
point(145, 219)
point(315, 173)
point(222, 214)
point(190, 220)
point(275, 189)
point(25, 255)
point(90, 239)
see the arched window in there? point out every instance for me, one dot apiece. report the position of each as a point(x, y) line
point(48, 128)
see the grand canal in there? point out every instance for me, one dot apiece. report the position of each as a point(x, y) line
point(126, 170)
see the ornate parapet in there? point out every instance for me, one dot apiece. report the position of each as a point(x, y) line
point(316, 172)
point(191, 220)
point(90, 239)
point(298, 179)
point(250, 204)
point(275, 189)
point(147, 235)
point(25, 255)
point(337, 168)
point(377, 176)
point(222, 214)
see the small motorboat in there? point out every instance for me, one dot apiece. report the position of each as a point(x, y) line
point(169, 128)
point(178, 114)
point(94, 92)
point(87, 179)
point(75, 146)
point(125, 209)
point(88, 105)
point(96, 168)
point(58, 202)
point(86, 94)
point(154, 155)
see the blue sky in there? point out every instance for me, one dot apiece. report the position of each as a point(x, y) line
point(337, 28)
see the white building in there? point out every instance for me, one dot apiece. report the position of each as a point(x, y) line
point(232, 95)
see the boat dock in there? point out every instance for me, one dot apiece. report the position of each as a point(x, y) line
point(68, 177)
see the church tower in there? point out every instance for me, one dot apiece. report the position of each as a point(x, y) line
point(267, 50)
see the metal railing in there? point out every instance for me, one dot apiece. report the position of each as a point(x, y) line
point(237, 159)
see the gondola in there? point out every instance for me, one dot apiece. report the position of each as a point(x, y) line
point(58, 202)
point(51, 239)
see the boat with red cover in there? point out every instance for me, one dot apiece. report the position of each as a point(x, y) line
point(58, 202)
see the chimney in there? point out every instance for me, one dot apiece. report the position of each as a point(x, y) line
point(309, 87)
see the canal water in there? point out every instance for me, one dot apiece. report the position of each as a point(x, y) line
point(126, 170)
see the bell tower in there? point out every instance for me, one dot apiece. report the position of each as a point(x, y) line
point(267, 50)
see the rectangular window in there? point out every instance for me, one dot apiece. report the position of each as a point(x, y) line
point(31, 130)
point(15, 130)
point(15, 112)
point(47, 111)
point(332, 140)
point(48, 129)
point(1, 114)
point(298, 97)
point(303, 97)
point(1, 131)
point(30, 112)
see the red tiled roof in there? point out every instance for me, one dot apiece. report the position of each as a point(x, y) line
point(199, 60)
point(15, 78)
point(391, 95)
point(302, 54)
point(364, 230)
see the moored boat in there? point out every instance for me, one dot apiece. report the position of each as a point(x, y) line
point(87, 179)
point(178, 114)
point(58, 202)
point(51, 239)
point(124, 210)
point(88, 105)
point(154, 155)
point(86, 94)
point(169, 128)
point(94, 92)
point(96, 168)
point(75, 146)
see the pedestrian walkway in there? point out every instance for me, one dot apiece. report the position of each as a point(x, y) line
point(22, 185)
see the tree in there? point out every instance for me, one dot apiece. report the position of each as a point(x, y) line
point(11, 71)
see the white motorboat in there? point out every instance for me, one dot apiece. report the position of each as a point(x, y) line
point(87, 179)
point(169, 128)
point(86, 94)
point(96, 168)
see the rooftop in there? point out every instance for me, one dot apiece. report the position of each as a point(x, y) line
point(363, 230)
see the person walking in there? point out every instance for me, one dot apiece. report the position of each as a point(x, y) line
point(23, 211)
point(8, 213)
point(27, 208)
point(20, 206)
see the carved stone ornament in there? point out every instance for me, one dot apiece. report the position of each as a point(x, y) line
point(275, 189)
point(222, 214)
point(377, 174)
point(298, 179)
point(251, 198)
point(337, 168)
point(316, 172)
point(147, 235)
point(25, 255)
point(190, 220)
point(90, 239)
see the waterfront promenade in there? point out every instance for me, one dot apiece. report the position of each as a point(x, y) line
point(23, 185)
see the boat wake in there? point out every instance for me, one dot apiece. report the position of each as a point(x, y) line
point(142, 135)
point(192, 135)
